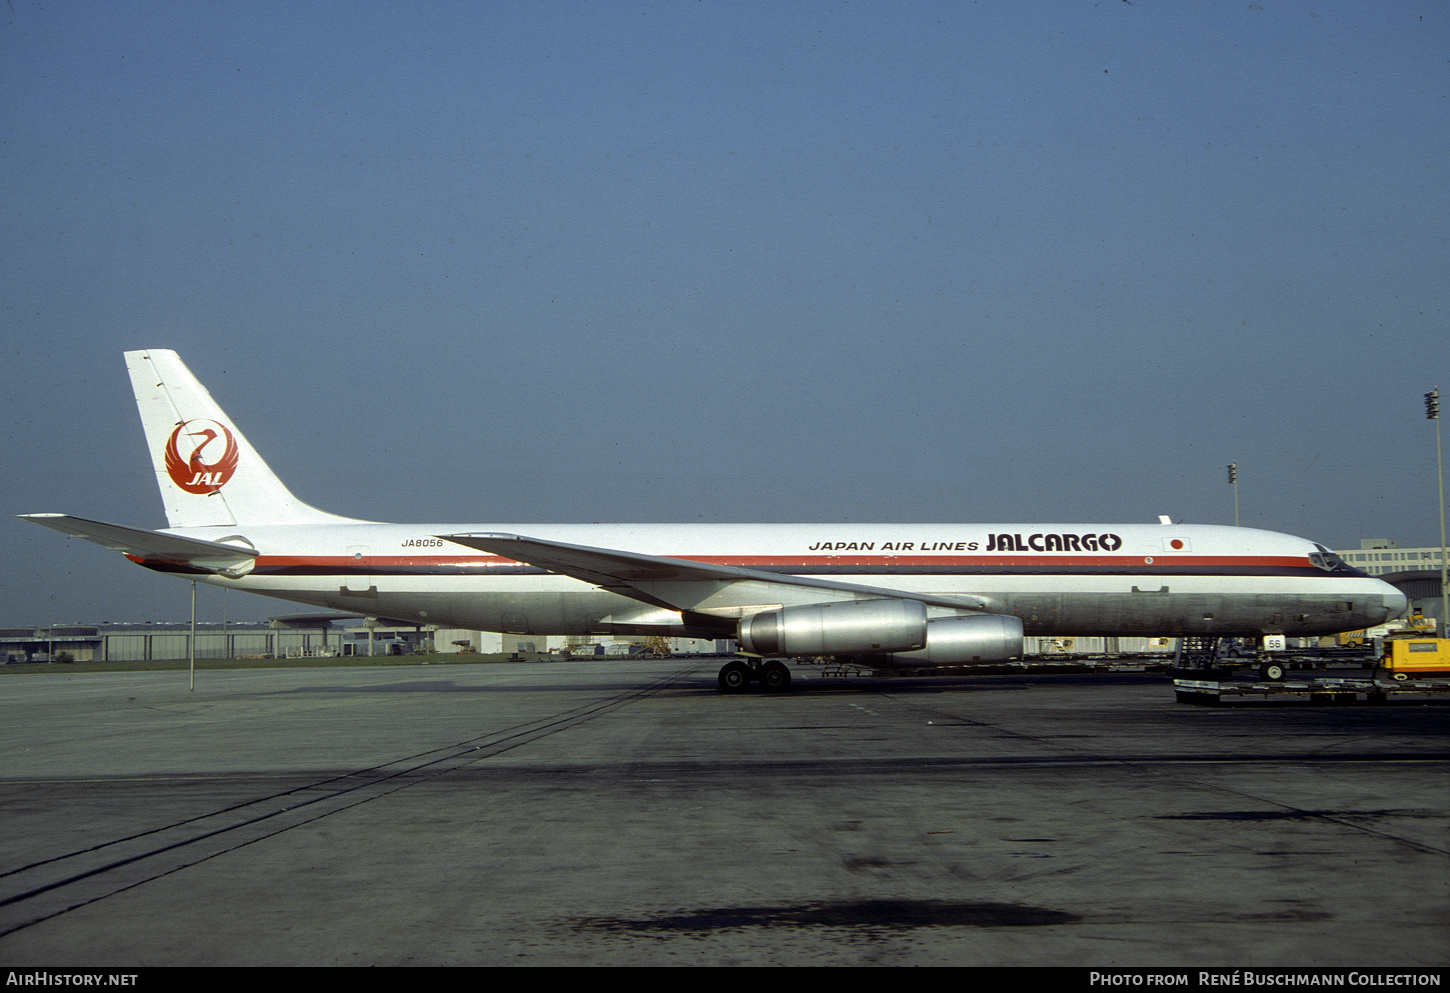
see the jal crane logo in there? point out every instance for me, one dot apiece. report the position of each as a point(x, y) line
point(212, 458)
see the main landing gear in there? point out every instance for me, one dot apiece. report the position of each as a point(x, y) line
point(772, 675)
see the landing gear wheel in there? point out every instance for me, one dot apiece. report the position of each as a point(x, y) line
point(1272, 671)
point(734, 677)
point(775, 677)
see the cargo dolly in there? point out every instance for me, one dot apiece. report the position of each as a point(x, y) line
point(1408, 668)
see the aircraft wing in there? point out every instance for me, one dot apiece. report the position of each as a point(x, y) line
point(154, 546)
point(684, 584)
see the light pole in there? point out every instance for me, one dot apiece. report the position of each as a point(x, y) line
point(1432, 412)
point(1233, 480)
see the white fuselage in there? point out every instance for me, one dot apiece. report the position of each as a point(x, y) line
point(1128, 579)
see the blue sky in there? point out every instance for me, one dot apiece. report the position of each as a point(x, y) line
point(727, 261)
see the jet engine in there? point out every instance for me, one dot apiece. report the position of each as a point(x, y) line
point(850, 627)
point(959, 640)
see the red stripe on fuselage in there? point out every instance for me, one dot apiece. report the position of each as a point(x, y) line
point(1155, 563)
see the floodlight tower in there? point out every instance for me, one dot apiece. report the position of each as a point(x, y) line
point(1233, 480)
point(1432, 412)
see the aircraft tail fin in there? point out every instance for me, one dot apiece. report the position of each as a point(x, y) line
point(209, 474)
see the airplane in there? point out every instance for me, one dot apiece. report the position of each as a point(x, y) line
point(876, 595)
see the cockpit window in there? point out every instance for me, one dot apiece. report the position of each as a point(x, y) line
point(1325, 559)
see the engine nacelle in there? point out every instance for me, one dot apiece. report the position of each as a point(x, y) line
point(960, 640)
point(850, 627)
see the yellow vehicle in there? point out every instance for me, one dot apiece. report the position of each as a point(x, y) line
point(1415, 624)
point(1406, 657)
point(1360, 638)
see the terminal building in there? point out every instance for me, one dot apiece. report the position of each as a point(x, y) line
point(297, 636)
point(164, 641)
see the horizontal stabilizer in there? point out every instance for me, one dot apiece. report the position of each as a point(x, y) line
point(233, 561)
point(684, 584)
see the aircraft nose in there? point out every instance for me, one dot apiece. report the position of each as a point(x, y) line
point(1396, 603)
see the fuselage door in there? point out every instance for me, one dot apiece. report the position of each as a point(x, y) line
point(356, 577)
